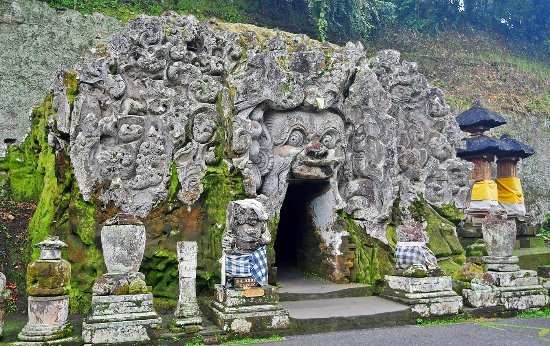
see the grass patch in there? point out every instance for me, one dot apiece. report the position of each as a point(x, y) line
point(446, 321)
point(539, 313)
point(247, 341)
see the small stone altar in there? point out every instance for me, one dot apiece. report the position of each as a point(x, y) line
point(503, 282)
point(244, 302)
point(122, 308)
point(418, 280)
point(48, 283)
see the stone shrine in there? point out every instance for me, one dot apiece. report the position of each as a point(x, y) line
point(504, 283)
point(418, 281)
point(122, 308)
point(173, 99)
point(48, 283)
point(187, 315)
point(244, 302)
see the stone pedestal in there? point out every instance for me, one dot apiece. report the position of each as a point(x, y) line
point(243, 311)
point(187, 315)
point(48, 281)
point(122, 309)
point(121, 318)
point(47, 319)
point(428, 296)
point(503, 283)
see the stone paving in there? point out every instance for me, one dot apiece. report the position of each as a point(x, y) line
point(502, 332)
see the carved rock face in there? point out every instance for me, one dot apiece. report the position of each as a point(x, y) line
point(246, 227)
point(312, 140)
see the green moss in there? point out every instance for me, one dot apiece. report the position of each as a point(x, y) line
point(71, 85)
point(373, 258)
point(161, 271)
point(450, 212)
point(30, 165)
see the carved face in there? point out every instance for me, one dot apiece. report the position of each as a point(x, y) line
point(313, 140)
point(246, 226)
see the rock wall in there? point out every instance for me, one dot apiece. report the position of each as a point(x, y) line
point(176, 117)
point(36, 41)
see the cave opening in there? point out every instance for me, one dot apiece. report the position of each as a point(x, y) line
point(297, 244)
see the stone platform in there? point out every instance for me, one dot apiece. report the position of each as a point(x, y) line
point(121, 318)
point(248, 311)
point(428, 296)
point(515, 290)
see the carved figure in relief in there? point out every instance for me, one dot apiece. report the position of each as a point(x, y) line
point(244, 241)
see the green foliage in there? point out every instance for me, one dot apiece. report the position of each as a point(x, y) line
point(228, 10)
point(538, 313)
point(442, 321)
point(247, 341)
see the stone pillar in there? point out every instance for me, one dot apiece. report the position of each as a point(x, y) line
point(48, 282)
point(122, 307)
point(504, 283)
point(3, 297)
point(187, 315)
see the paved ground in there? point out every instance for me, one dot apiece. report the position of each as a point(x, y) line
point(295, 282)
point(341, 307)
point(512, 331)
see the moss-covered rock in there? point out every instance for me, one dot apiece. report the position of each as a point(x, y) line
point(469, 271)
point(47, 278)
point(373, 258)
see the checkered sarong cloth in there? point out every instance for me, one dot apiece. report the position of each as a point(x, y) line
point(409, 253)
point(253, 264)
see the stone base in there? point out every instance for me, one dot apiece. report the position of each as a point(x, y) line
point(429, 296)
point(124, 318)
point(516, 290)
point(248, 311)
point(47, 319)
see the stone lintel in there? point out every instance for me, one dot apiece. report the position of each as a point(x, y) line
point(419, 285)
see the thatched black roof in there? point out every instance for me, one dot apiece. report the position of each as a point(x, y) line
point(511, 147)
point(479, 117)
point(480, 145)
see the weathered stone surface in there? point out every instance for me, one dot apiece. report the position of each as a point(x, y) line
point(416, 285)
point(123, 246)
point(187, 312)
point(292, 108)
point(36, 41)
point(2, 301)
point(121, 318)
point(47, 319)
point(518, 278)
point(428, 296)
point(499, 235)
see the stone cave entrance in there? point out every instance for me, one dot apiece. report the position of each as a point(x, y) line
point(298, 244)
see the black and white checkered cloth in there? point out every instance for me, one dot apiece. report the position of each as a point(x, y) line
point(409, 253)
point(253, 264)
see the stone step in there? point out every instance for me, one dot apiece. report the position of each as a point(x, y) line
point(533, 258)
point(529, 242)
point(325, 315)
point(295, 287)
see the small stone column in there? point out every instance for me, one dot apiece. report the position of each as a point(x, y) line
point(503, 283)
point(3, 298)
point(188, 315)
point(48, 282)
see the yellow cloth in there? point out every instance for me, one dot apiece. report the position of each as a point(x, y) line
point(484, 190)
point(509, 190)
